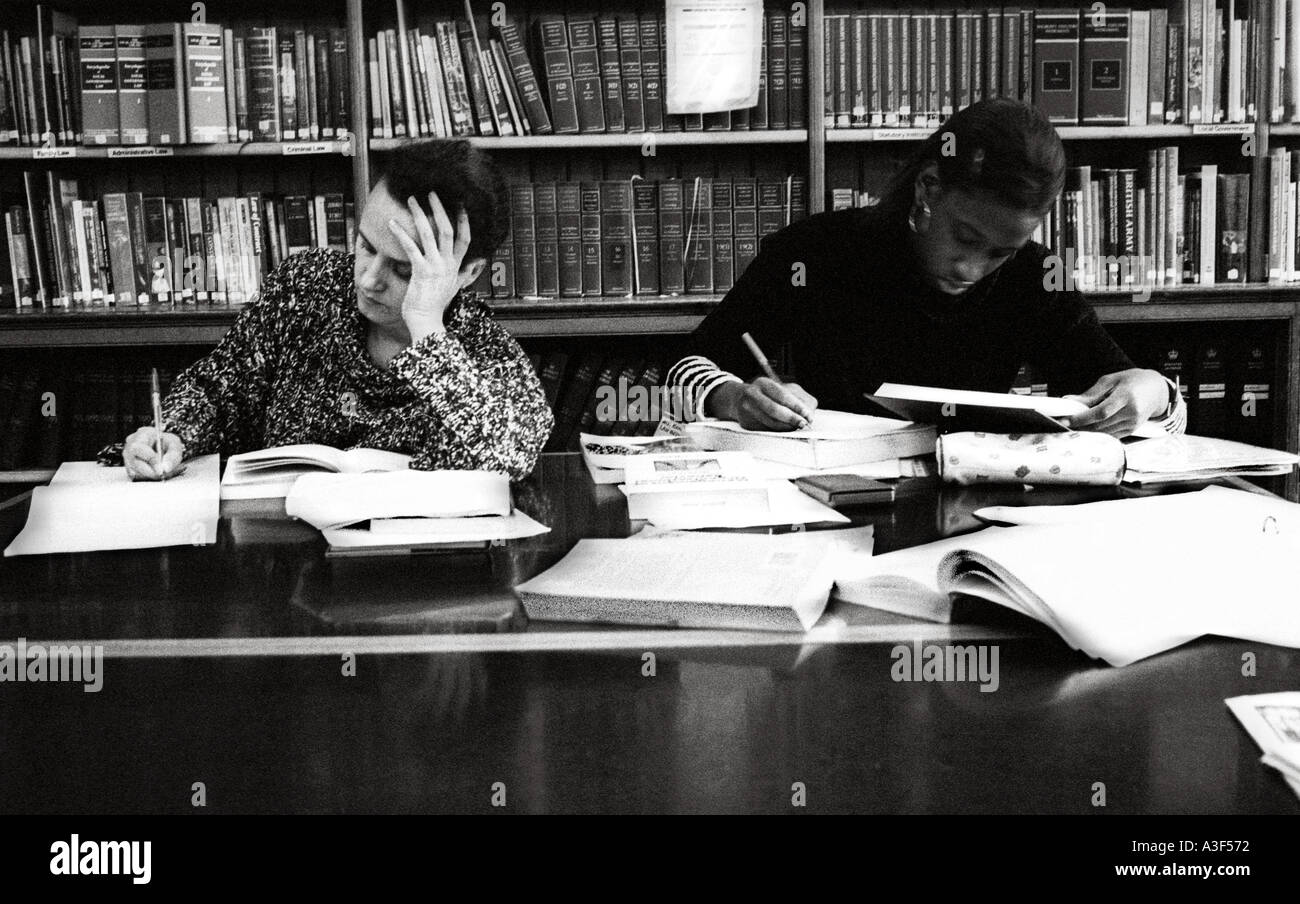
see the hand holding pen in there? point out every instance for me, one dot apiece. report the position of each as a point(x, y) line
point(151, 453)
point(767, 403)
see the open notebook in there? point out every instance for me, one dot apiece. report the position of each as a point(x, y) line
point(1120, 580)
point(267, 473)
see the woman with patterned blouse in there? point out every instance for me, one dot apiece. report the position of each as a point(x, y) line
point(381, 348)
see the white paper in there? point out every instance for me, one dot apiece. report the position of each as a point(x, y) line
point(713, 54)
point(786, 505)
point(336, 500)
point(514, 526)
point(1273, 720)
point(88, 507)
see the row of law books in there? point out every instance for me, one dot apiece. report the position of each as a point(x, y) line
point(172, 83)
point(1228, 383)
point(638, 236)
point(1189, 62)
point(127, 248)
point(591, 391)
point(1131, 229)
point(578, 74)
point(52, 413)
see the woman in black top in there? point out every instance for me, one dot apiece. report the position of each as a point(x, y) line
point(938, 285)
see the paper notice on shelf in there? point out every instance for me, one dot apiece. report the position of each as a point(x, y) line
point(713, 54)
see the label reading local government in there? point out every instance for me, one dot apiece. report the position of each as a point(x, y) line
point(145, 151)
point(1222, 128)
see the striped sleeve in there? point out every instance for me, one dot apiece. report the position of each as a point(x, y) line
point(1175, 421)
point(692, 379)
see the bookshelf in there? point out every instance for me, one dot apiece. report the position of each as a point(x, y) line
point(815, 153)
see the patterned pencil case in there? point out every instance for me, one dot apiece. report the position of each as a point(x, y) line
point(1033, 458)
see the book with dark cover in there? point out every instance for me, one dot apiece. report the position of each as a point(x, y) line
point(778, 85)
point(672, 236)
point(324, 96)
point(458, 92)
point(698, 215)
point(263, 84)
point(287, 81)
point(771, 207)
point(478, 91)
point(1028, 60)
point(551, 373)
point(101, 113)
point(652, 76)
point(591, 250)
point(673, 122)
point(1250, 390)
point(514, 101)
point(744, 224)
point(546, 233)
point(616, 237)
point(1208, 405)
point(588, 420)
point(495, 77)
point(758, 115)
point(1056, 62)
point(629, 59)
point(640, 417)
point(165, 82)
point(796, 63)
point(502, 270)
point(993, 53)
point(610, 74)
point(723, 243)
point(1103, 99)
point(573, 399)
point(117, 222)
point(553, 39)
point(524, 78)
point(587, 88)
point(1174, 74)
point(524, 237)
point(645, 236)
point(568, 203)
point(340, 82)
point(1233, 216)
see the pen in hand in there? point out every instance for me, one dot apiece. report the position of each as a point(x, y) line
point(767, 369)
point(155, 395)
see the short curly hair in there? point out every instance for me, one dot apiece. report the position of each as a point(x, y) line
point(462, 176)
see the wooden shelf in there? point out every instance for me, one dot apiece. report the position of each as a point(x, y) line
point(245, 149)
point(1284, 128)
point(621, 140)
point(1067, 133)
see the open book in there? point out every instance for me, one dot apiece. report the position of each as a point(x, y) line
point(834, 439)
point(271, 472)
point(990, 412)
point(1118, 583)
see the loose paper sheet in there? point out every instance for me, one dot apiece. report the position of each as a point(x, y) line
point(713, 54)
point(88, 507)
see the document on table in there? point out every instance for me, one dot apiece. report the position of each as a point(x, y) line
point(88, 507)
point(713, 54)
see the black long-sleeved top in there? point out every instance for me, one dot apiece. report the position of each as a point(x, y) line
point(864, 317)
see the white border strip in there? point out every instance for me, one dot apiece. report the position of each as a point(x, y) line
point(536, 641)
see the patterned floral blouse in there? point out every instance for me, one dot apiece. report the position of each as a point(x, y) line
point(294, 369)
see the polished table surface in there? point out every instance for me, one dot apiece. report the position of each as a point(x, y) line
point(231, 665)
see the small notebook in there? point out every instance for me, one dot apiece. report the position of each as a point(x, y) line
point(269, 473)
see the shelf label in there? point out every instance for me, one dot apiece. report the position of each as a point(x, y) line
point(53, 153)
point(1222, 128)
point(145, 151)
point(898, 134)
point(307, 147)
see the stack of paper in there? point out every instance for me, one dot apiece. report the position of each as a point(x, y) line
point(1273, 720)
point(1184, 458)
point(270, 473)
point(696, 581)
point(833, 440)
point(405, 511)
point(689, 490)
point(606, 457)
point(88, 507)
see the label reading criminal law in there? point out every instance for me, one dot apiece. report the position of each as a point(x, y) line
point(308, 147)
point(53, 153)
point(145, 151)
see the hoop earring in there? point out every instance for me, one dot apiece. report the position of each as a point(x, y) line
point(924, 217)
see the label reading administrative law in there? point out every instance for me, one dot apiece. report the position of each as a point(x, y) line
point(140, 151)
point(102, 858)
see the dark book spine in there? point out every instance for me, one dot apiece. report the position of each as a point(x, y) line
point(629, 56)
point(591, 250)
point(478, 91)
point(645, 236)
point(521, 68)
point(611, 80)
point(758, 118)
point(672, 280)
point(616, 237)
point(699, 236)
point(1056, 55)
point(522, 210)
point(587, 88)
point(263, 94)
point(569, 224)
point(778, 90)
point(546, 232)
point(796, 63)
point(556, 63)
point(724, 249)
point(744, 224)
point(286, 73)
point(1174, 75)
point(652, 83)
point(340, 82)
